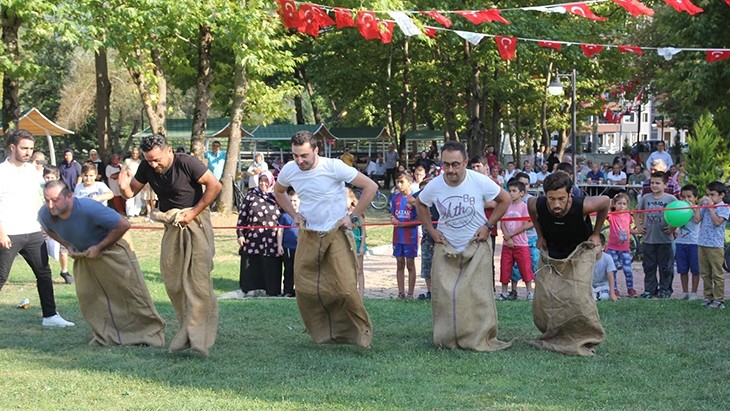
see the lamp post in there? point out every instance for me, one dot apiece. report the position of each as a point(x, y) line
point(555, 88)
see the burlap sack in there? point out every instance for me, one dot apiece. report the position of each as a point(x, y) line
point(114, 299)
point(186, 261)
point(564, 309)
point(462, 301)
point(325, 277)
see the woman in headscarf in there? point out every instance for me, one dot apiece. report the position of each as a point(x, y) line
point(260, 262)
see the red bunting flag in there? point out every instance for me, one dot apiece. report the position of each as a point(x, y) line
point(507, 47)
point(550, 45)
point(323, 18)
point(367, 25)
point(631, 49)
point(430, 32)
point(728, 2)
point(716, 55)
point(482, 16)
point(582, 10)
point(386, 34)
point(611, 116)
point(636, 8)
point(343, 18)
point(590, 49)
point(440, 18)
point(308, 23)
point(289, 14)
point(684, 5)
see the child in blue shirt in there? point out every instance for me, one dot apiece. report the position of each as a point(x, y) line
point(405, 237)
point(286, 240)
point(711, 244)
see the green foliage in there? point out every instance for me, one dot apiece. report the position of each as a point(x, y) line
point(703, 158)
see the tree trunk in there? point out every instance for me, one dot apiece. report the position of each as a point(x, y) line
point(310, 92)
point(155, 114)
point(475, 125)
point(240, 88)
point(202, 96)
point(496, 119)
point(406, 96)
point(103, 104)
point(161, 111)
point(449, 117)
point(543, 112)
point(11, 101)
point(389, 107)
point(298, 109)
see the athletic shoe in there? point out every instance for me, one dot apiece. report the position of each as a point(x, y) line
point(512, 295)
point(68, 278)
point(530, 296)
point(616, 293)
point(717, 304)
point(684, 296)
point(425, 296)
point(706, 301)
point(503, 297)
point(632, 293)
point(56, 321)
point(647, 295)
point(693, 297)
point(663, 295)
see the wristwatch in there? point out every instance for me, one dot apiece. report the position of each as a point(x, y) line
point(355, 220)
point(489, 226)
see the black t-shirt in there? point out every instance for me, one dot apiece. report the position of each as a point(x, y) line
point(178, 187)
point(565, 233)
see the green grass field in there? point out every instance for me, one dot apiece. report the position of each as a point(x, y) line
point(658, 355)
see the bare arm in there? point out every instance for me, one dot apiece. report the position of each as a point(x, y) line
point(532, 209)
point(600, 206)
point(128, 185)
point(424, 214)
point(212, 189)
point(285, 203)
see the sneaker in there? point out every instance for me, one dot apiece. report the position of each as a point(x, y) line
point(647, 295)
point(56, 321)
point(706, 301)
point(616, 293)
point(717, 304)
point(512, 296)
point(663, 295)
point(68, 278)
point(425, 296)
point(692, 297)
point(632, 293)
point(684, 296)
point(503, 297)
point(530, 296)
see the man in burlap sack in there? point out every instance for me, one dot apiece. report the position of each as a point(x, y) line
point(185, 188)
point(325, 265)
point(564, 309)
point(462, 279)
point(112, 294)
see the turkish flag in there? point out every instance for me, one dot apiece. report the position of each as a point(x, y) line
point(430, 32)
point(308, 22)
point(684, 5)
point(323, 18)
point(590, 49)
point(550, 45)
point(386, 35)
point(482, 16)
point(289, 14)
point(636, 8)
point(343, 18)
point(440, 18)
point(507, 47)
point(716, 55)
point(367, 25)
point(631, 49)
point(581, 9)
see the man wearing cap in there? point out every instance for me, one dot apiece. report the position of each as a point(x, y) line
point(70, 170)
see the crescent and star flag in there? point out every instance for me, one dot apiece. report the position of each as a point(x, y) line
point(386, 35)
point(716, 55)
point(581, 9)
point(343, 18)
point(482, 16)
point(684, 5)
point(289, 14)
point(550, 45)
point(636, 8)
point(440, 18)
point(590, 49)
point(631, 49)
point(367, 25)
point(507, 47)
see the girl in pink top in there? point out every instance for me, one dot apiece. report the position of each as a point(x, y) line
point(619, 241)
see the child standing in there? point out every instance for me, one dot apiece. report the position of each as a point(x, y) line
point(619, 242)
point(286, 240)
point(358, 231)
point(686, 246)
point(658, 235)
point(711, 244)
point(604, 274)
point(514, 247)
point(405, 237)
point(531, 240)
point(427, 244)
point(90, 188)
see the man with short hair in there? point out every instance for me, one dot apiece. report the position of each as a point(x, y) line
point(185, 188)
point(20, 232)
point(325, 263)
point(216, 159)
point(70, 170)
point(113, 297)
point(391, 165)
point(660, 154)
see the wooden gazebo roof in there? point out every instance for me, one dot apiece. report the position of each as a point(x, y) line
point(38, 124)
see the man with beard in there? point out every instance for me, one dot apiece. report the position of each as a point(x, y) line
point(186, 255)
point(325, 263)
point(20, 232)
point(113, 297)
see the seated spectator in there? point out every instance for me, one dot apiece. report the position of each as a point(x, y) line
point(423, 160)
point(530, 172)
point(542, 174)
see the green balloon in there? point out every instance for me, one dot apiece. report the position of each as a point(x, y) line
point(678, 218)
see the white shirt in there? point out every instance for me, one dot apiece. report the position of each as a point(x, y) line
point(656, 155)
point(540, 176)
point(461, 208)
point(321, 190)
point(253, 179)
point(97, 188)
point(613, 178)
point(20, 198)
point(371, 169)
point(508, 176)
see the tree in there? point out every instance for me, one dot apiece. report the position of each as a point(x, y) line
point(703, 162)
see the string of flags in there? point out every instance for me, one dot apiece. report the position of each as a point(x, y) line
point(310, 18)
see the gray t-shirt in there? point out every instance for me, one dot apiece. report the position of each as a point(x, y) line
point(603, 268)
point(654, 221)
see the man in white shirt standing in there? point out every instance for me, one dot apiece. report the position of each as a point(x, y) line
point(660, 154)
point(20, 232)
point(325, 262)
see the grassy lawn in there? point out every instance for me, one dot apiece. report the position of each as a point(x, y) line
point(658, 355)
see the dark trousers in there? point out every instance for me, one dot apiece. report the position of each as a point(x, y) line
point(390, 175)
point(288, 259)
point(33, 249)
point(658, 256)
point(258, 272)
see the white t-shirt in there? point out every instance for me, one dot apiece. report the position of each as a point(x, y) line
point(20, 198)
point(98, 188)
point(113, 183)
point(612, 178)
point(461, 208)
point(321, 191)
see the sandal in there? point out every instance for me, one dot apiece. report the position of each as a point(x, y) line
point(401, 296)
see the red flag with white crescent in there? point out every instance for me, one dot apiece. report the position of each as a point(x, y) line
point(386, 34)
point(367, 25)
point(343, 18)
point(507, 47)
point(289, 14)
point(636, 8)
point(716, 55)
point(430, 32)
point(684, 5)
point(440, 18)
point(483, 16)
point(631, 49)
point(550, 45)
point(582, 10)
point(308, 21)
point(590, 49)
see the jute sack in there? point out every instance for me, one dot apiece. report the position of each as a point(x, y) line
point(186, 261)
point(564, 309)
point(464, 312)
point(325, 277)
point(114, 300)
